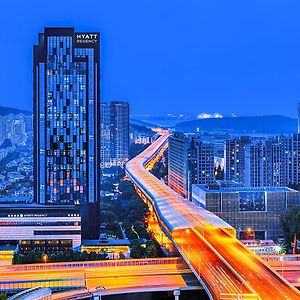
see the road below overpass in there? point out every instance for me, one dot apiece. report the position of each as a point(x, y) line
point(116, 276)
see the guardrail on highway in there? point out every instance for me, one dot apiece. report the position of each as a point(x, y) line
point(10, 287)
point(96, 264)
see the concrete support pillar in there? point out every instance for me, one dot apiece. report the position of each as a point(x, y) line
point(176, 294)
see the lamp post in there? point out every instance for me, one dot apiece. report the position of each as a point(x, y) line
point(281, 258)
point(176, 294)
point(100, 289)
point(250, 233)
point(45, 258)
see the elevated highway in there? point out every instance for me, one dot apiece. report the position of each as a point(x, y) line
point(117, 276)
point(223, 265)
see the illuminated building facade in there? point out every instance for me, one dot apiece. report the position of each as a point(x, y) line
point(178, 163)
point(235, 158)
point(105, 135)
point(243, 208)
point(114, 124)
point(263, 162)
point(298, 111)
point(291, 163)
point(119, 132)
point(190, 160)
point(66, 122)
point(46, 228)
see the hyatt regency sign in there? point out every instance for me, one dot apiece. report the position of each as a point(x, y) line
point(86, 38)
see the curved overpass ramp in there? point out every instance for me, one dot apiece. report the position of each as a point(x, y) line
point(223, 265)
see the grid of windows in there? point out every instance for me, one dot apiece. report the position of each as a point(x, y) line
point(66, 117)
point(66, 122)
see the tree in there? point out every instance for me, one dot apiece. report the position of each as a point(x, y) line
point(290, 223)
point(84, 255)
point(136, 251)
point(107, 186)
point(93, 255)
point(108, 216)
point(151, 251)
point(127, 189)
point(103, 254)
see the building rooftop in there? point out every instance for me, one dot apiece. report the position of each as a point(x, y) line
point(34, 205)
point(107, 242)
point(221, 189)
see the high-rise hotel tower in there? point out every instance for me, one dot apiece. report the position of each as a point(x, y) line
point(66, 122)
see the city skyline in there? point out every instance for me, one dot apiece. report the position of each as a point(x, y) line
point(80, 181)
point(212, 58)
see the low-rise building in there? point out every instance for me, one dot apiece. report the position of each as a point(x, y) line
point(113, 247)
point(258, 209)
point(262, 247)
point(40, 227)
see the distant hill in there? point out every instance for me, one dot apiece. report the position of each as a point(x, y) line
point(142, 123)
point(141, 128)
point(261, 124)
point(4, 111)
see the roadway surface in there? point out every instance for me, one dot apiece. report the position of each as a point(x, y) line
point(168, 274)
point(225, 267)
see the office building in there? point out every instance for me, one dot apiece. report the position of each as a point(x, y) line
point(298, 112)
point(178, 163)
point(66, 122)
point(263, 162)
point(190, 160)
point(234, 157)
point(256, 208)
point(119, 132)
point(114, 134)
point(46, 228)
point(291, 163)
point(105, 152)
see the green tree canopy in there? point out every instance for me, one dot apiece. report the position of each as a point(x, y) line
point(290, 223)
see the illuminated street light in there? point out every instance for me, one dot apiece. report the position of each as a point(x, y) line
point(250, 233)
point(45, 258)
point(281, 259)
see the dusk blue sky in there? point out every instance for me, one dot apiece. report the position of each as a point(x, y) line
point(166, 56)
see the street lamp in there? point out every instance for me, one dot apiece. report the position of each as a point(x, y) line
point(100, 289)
point(185, 231)
point(250, 233)
point(281, 258)
point(45, 258)
point(177, 294)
